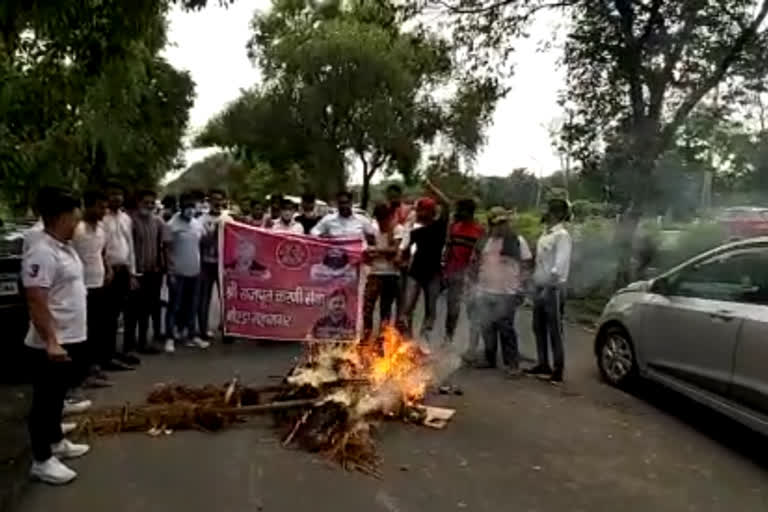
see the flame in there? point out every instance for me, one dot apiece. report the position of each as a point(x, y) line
point(394, 373)
point(398, 365)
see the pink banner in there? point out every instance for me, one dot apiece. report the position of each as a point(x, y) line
point(288, 287)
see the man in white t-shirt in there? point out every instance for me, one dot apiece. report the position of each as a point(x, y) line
point(183, 234)
point(345, 223)
point(383, 280)
point(89, 241)
point(118, 230)
point(31, 235)
point(287, 223)
point(52, 274)
point(209, 256)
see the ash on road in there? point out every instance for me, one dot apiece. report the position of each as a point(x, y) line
point(518, 445)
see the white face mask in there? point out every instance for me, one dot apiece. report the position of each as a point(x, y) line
point(188, 212)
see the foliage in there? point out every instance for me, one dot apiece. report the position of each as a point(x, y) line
point(593, 260)
point(85, 96)
point(529, 226)
point(518, 190)
point(346, 83)
point(695, 239)
point(637, 71)
point(584, 209)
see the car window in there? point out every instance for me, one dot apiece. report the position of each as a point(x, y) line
point(736, 276)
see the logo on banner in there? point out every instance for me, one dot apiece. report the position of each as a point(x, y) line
point(292, 254)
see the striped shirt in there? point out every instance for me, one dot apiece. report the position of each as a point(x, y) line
point(147, 242)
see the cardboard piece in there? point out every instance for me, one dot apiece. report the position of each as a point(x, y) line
point(437, 417)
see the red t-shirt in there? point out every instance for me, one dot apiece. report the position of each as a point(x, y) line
point(462, 238)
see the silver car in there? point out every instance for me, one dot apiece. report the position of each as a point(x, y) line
point(700, 329)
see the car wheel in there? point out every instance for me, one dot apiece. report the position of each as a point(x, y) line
point(616, 357)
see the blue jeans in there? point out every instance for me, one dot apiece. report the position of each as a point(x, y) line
point(183, 293)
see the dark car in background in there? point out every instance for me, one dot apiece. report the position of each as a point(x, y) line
point(14, 320)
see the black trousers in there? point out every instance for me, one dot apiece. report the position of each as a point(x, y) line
point(413, 289)
point(454, 296)
point(94, 351)
point(143, 306)
point(116, 299)
point(51, 381)
point(497, 312)
point(209, 276)
point(382, 288)
point(548, 305)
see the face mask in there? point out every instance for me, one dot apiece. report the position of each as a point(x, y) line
point(188, 212)
point(145, 212)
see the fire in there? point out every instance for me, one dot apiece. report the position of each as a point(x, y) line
point(399, 365)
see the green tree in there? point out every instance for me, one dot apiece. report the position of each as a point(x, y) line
point(350, 86)
point(85, 96)
point(636, 72)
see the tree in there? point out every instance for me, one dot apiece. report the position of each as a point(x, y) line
point(351, 85)
point(637, 69)
point(518, 190)
point(85, 96)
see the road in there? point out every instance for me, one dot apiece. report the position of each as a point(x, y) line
point(519, 445)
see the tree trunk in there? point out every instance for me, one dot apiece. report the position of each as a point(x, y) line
point(365, 193)
point(625, 236)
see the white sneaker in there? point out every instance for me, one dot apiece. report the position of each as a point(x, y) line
point(66, 449)
point(68, 427)
point(52, 471)
point(196, 342)
point(72, 406)
point(170, 346)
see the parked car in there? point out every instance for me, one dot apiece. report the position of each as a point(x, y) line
point(13, 310)
point(745, 221)
point(700, 329)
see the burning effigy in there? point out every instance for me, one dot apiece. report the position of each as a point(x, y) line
point(329, 403)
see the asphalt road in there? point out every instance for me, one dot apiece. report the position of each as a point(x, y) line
point(518, 445)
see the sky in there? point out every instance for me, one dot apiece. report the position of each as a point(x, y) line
point(210, 44)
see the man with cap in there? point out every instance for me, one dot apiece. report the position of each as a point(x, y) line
point(550, 276)
point(425, 241)
point(500, 267)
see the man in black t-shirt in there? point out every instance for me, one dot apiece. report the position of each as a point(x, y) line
point(426, 242)
point(308, 217)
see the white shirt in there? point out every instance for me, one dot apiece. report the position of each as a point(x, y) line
point(553, 257)
point(292, 227)
point(119, 247)
point(56, 267)
point(183, 239)
point(32, 235)
point(89, 243)
point(382, 265)
point(336, 226)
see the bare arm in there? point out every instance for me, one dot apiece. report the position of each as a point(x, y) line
point(42, 320)
point(444, 200)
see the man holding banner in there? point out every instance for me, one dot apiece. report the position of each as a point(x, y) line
point(281, 296)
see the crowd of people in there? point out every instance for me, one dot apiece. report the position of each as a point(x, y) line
point(87, 266)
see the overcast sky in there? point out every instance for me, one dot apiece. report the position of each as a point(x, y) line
point(211, 45)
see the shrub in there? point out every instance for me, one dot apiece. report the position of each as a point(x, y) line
point(594, 258)
point(694, 240)
point(528, 224)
